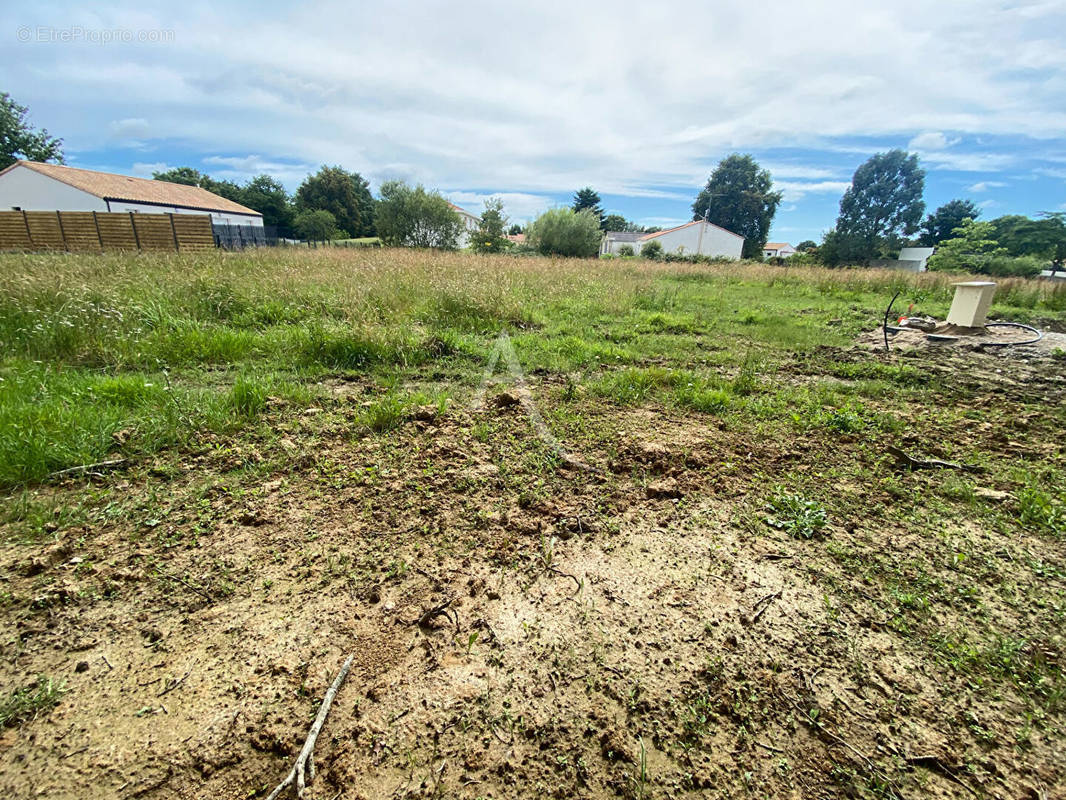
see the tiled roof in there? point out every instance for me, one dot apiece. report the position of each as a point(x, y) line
point(776, 245)
point(687, 224)
point(623, 236)
point(108, 186)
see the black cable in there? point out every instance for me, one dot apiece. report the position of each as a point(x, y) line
point(1039, 334)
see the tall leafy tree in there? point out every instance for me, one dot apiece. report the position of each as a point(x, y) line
point(346, 195)
point(267, 196)
point(588, 200)
point(882, 205)
point(615, 222)
point(413, 217)
point(939, 225)
point(316, 226)
point(20, 140)
point(739, 197)
point(1022, 236)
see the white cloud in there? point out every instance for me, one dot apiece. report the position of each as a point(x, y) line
point(984, 186)
point(242, 168)
point(145, 170)
point(988, 204)
point(933, 140)
point(132, 128)
point(794, 190)
point(463, 95)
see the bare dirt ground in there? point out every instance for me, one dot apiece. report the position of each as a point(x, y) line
point(639, 631)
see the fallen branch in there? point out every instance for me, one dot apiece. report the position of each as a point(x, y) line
point(904, 460)
point(170, 686)
point(306, 759)
point(863, 758)
point(87, 467)
point(765, 603)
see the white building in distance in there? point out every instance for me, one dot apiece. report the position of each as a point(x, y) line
point(693, 238)
point(778, 250)
point(32, 186)
point(471, 224)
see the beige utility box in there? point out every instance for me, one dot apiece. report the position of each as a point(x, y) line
point(970, 306)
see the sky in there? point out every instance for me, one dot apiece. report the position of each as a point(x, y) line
point(531, 101)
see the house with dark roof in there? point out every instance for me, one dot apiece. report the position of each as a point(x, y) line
point(693, 238)
point(32, 186)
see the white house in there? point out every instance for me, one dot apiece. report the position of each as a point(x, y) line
point(696, 238)
point(613, 241)
point(32, 186)
point(778, 250)
point(470, 224)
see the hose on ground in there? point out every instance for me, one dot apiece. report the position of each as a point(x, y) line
point(1039, 334)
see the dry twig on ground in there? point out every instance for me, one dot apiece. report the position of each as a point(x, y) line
point(305, 762)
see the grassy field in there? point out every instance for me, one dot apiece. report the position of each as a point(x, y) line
point(742, 596)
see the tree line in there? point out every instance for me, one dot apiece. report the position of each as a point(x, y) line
point(880, 212)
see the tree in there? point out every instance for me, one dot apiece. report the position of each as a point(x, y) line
point(514, 230)
point(973, 248)
point(184, 175)
point(346, 195)
point(489, 237)
point(316, 226)
point(565, 232)
point(413, 217)
point(739, 197)
point(806, 245)
point(939, 225)
point(20, 141)
point(615, 222)
point(1022, 236)
point(882, 205)
point(588, 200)
point(267, 196)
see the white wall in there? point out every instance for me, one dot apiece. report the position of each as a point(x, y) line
point(613, 245)
point(714, 242)
point(217, 217)
point(470, 224)
point(31, 191)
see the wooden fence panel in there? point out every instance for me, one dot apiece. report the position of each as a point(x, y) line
point(45, 230)
point(79, 231)
point(193, 231)
point(116, 231)
point(94, 231)
point(154, 231)
point(14, 235)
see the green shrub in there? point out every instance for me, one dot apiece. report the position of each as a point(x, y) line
point(626, 251)
point(652, 250)
point(563, 232)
